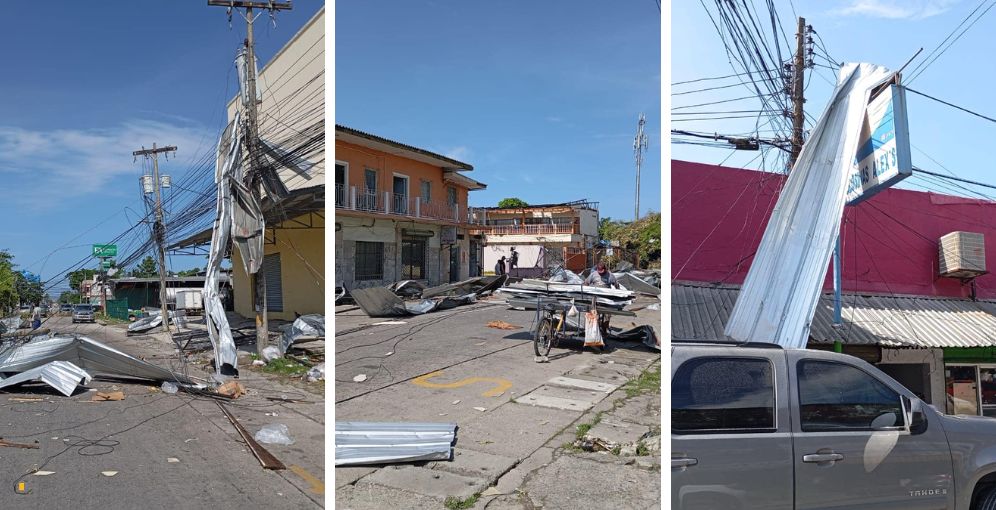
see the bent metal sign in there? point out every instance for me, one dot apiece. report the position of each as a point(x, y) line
point(883, 155)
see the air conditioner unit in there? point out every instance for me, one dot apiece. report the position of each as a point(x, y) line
point(962, 255)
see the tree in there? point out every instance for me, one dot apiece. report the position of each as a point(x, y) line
point(8, 284)
point(77, 277)
point(146, 269)
point(512, 203)
point(190, 272)
point(69, 296)
point(28, 291)
point(642, 237)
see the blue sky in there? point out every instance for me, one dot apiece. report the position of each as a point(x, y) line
point(542, 98)
point(89, 83)
point(885, 32)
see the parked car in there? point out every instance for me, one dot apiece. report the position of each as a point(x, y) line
point(758, 426)
point(65, 307)
point(83, 313)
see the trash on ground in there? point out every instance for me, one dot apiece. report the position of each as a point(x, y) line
point(388, 354)
point(455, 402)
point(491, 491)
point(172, 460)
point(360, 378)
point(389, 323)
point(383, 302)
point(592, 333)
point(304, 328)
point(61, 375)
point(655, 307)
point(25, 399)
point(108, 473)
point(258, 363)
point(232, 389)
point(407, 288)
point(274, 433)
point(108, 397)
point(481, 409)
point(266, 459)
point(502, 325)
point(169, 387)
point(388, 442)
point(43, 473)
point(316, 373)
point(270, 353)
point(645, 334)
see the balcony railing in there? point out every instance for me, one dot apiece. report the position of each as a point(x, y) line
point(397, 204)
point(527, 229)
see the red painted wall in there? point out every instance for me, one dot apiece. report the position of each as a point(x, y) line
point(718, 215)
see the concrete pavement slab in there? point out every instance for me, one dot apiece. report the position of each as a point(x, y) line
point(583, 384)
point(430, 482)
point(472, 463)
point(365, 496)
point(573, 483)
point(567, 404)
point(348, 475)
point(512, 480)
point(513, 430)
point(613, 433)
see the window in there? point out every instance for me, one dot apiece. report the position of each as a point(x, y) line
point(369, 261)
point(340, 184)
point(723, 394)
point(367, 198)
point(413, 259)
point(274, 288)
point(426, 191)
point(451, 196)
point(370, 176)
point(834, 396)
point(962, 386)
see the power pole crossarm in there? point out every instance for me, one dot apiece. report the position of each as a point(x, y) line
point(277, 6)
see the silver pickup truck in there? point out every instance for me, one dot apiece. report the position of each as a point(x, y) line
point(758, 426)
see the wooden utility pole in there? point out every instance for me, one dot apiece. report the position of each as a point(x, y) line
point(158, 229)
point(258, 284)
point(798, 75)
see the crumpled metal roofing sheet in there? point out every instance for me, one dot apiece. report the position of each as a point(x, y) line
point(61, 375)
point(88, 354)
point(785, 280)
point(699, 312)
point(389, 442)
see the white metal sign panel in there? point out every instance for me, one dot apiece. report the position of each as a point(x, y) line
point(883, 155)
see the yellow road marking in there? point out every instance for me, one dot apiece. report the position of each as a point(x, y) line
point(501, 385)
point(317, 486)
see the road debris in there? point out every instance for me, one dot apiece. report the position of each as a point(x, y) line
point(8, 444)
point(43, 473)
point(270, 353)
point(25, 399)
point(258, 363)
point(388, 443)
point(274, 433)
point(360, 378)
point(316, 373)
point(304, 328)
point(108, 397)
point(169, 387)
point(481, 409)
point(108, 473)
point(172, 460)
point(266, 459)
point(502, 325)
point(61, 375)
point(389, 323)
point(231, 389)
point(455, 402)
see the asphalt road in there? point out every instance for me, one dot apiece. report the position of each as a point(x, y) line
point(168, 451)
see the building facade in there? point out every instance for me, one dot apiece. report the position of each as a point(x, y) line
point(542, 235)
point(933, 333)
point(401, 213)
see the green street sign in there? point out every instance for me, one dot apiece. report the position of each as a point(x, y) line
point(105, 250)
point(106, 264)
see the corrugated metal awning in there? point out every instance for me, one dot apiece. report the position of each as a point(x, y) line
point(700, 312)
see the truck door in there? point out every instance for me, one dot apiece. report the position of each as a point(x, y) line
point(857, 443)
point(731, 445)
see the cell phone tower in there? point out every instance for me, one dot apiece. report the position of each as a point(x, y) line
point(639, 147)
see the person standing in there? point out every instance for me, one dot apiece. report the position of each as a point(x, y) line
point(500, 266)
point(601, 277)
point(513, 260)
point(36, 317)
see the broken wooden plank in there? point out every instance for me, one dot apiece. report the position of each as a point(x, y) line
point(266, 459)
point(17, 445)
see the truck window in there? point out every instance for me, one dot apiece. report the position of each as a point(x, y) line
point(719, 394)
point(836, 397)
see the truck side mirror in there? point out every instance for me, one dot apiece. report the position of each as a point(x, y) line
point(914, 415)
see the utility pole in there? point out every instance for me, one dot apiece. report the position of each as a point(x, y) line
point(158, 229)
point(258, 284)
point(798, 76)
point(639, 147)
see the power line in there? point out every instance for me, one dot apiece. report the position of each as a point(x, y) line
point(966, 110)
point(717, 77)
point(923, 66)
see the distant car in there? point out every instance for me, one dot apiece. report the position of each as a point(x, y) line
point(44, 310)
point(83, 313)
point(65, 307)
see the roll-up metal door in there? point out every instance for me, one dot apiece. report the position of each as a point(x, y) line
point(274, 289)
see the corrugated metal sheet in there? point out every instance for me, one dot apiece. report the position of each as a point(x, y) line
point(389, 442)
point(61, 375)
point(783, 285)
point(700, 312)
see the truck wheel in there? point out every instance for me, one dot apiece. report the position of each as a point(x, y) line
point(987, 501)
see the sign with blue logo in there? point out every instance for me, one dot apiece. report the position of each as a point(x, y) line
point(31, 277)
point(883, 156)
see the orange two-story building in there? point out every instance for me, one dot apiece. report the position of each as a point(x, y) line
point(400, 213)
